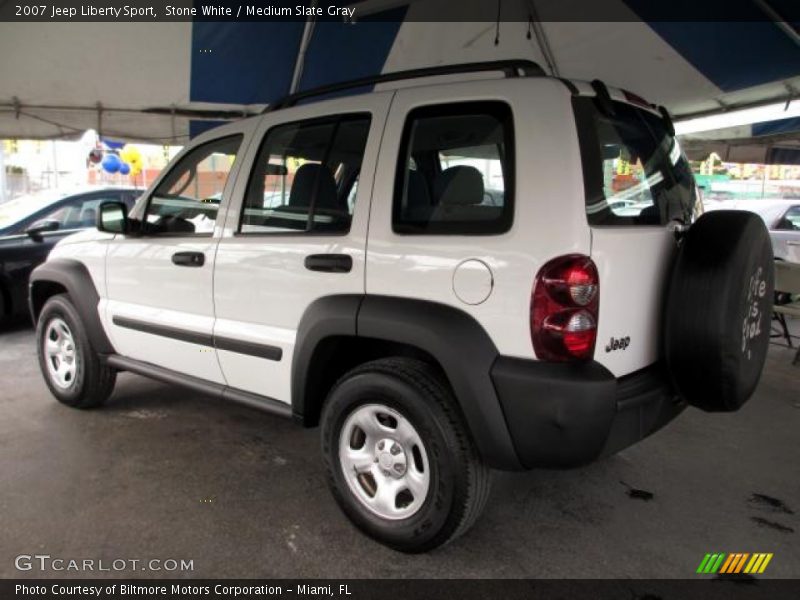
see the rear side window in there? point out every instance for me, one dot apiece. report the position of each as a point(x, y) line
point(305, 177)
point(634, 171)
point(455, 174)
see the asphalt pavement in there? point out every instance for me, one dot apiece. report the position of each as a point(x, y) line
point(164, 473)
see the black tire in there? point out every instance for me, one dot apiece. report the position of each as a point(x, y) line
point(459, 480)
point(718, 310)
point(93, 381)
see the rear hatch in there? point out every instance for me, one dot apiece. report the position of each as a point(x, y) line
point(639, 187)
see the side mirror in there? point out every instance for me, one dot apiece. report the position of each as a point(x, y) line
point(112, 217)
point(36, 230)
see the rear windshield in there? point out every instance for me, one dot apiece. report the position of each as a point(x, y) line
point(634, 171)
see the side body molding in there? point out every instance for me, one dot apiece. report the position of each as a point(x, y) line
point(73, 276)
point(454, 339)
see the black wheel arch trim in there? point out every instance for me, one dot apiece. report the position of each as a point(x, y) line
point(74, 277)
point(325, 318)
point(452, 337)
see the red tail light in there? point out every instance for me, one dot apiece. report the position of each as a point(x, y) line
point(564, 307)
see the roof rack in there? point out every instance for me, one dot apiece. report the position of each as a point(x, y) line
point(511, 68)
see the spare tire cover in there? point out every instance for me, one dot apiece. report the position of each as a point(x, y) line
point(718, 309)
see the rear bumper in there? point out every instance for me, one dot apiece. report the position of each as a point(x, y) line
point(563, 415)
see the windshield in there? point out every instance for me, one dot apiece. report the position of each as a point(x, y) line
point(635, 172)
point(14, 211)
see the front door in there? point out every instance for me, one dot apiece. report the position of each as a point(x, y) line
point(307, 193)
point(159, 307)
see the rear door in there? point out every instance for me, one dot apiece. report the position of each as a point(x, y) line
point(639, 187)
point(296, 232)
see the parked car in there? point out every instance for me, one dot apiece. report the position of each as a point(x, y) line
point(31, 225)
point(432, 334)
point(783, 221)
point(782, 218)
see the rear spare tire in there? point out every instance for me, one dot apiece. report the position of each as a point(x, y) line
point(718, 309)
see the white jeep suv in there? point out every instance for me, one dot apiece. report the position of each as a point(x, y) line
point(501, 272)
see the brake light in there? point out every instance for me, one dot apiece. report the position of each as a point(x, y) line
point(564, 305)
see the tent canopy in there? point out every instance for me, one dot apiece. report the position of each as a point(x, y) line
point(165, 81)
point(772, 142)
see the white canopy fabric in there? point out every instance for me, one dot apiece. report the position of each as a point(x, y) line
point(163, 82)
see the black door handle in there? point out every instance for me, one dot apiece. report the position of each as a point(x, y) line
point(189, 259)
point(329, 263)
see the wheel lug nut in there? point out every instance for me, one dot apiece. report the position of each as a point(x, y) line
point(395, 449)
point(380, 445)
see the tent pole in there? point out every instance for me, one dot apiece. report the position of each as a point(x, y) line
point(779, 21)
point(305, 41)
point(541, 39)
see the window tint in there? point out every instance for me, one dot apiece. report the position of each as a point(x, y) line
point(455, 173)
point(187, 199)
point(635, 172)
point(305, 177)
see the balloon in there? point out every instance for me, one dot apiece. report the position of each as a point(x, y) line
point(95, 155)
point(132, 156)
point(124, 168)
point(111, 163)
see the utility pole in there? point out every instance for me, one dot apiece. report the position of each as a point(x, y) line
point(55, 163)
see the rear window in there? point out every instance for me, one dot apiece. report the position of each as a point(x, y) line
point(635, 172)
point(455, 172)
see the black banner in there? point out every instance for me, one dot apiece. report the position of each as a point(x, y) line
point(785, 12)
point(405, 589)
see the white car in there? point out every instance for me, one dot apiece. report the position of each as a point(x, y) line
point(434, 335)
point(782, 218)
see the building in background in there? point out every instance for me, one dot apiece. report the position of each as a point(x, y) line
point(35, 166)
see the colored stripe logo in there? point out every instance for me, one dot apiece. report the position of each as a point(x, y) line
point(737, 562)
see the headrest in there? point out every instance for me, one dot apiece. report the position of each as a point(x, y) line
point(459, 186)
point(311, 178)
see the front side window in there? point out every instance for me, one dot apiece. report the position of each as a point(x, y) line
point(187, 199)
point(635, 172)
point(305, 177)
point(456, 170)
